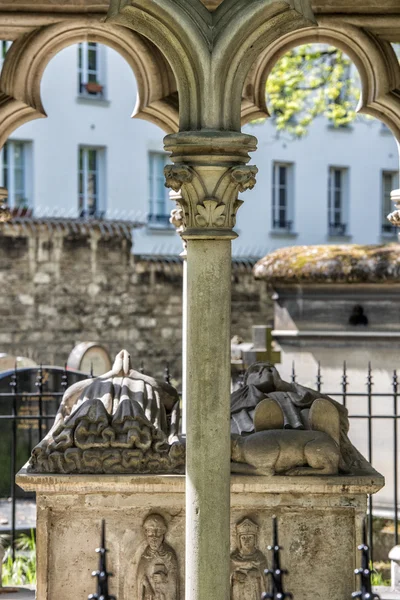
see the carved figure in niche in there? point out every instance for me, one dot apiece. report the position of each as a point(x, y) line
point(247, 564)
point(286, 428)
point(157, 573)
point(120, 422)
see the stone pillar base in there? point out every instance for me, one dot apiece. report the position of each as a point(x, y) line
point(319, 520)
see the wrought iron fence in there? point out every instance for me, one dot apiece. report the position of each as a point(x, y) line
point(366, 398)
point(16, 396)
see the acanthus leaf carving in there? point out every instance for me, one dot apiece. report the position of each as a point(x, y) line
point(244, 176)
point(177, 175)
point(210, 214)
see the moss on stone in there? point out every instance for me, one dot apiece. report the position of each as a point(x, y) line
point(331, 264)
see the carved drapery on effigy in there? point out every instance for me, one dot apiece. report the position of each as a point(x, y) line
point(121, 422)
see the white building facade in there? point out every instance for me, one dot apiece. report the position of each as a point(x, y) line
point(90, 159)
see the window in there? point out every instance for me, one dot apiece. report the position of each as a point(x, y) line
point(90, 70)
point(390, 182)
point(158, 193)
point(90, 181)
point(337, 201)
point(16, 173)
point(4, 47)
point(282, 197)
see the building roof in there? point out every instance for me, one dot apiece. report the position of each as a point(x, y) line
point(81, 226)
point(346, 263)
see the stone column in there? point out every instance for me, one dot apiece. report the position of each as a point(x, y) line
point(209, 170)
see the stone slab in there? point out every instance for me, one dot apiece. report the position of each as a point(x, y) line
point(319, 521)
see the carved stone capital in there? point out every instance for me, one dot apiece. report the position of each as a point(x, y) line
point(209, 171)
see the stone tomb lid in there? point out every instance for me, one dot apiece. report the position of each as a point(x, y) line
point(346, 263)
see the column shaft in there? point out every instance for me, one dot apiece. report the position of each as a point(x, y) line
point(208, 419)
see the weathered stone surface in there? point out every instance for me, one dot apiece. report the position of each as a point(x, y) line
point(287, 428)
point(326, 264)
point(44, 321)
point(120, 422)
point(320, 521)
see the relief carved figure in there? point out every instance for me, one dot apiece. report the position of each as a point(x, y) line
point(285, 428)
point(157, 573)
point(247, 564)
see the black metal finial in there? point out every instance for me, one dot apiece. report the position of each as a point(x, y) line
point(345, 381)
point(39, 378)
point(167, 374)
point(293, 372)
point(319, 377)
point(365, 593)
point(276, 590)
point(64, 378)
point(102, 574)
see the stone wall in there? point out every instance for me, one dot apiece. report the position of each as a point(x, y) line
point(61, 284)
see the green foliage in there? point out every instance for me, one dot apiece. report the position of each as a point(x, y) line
point(308, 81)
point(377, 579)
point(23, 570)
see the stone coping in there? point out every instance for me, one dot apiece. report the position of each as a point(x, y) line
point(368, 483)
point(346, 263)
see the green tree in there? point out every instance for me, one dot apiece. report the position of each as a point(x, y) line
point(308, 81)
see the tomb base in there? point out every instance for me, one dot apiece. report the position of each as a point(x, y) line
point(319, 519)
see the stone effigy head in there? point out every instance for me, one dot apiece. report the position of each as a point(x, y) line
point(263, 375)
point(121, 422)
point(155, 529)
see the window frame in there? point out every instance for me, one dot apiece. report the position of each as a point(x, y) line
point(387, 229)
point(84, 209)
point(285, 225)
point(4, 48)
point(8, 174)
point(338, 227)
point(156, 218)
point(85, 73)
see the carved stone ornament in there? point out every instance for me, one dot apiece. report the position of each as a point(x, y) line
point(177, 218)
point(120, 422)
point(394, 218)
point(287, 429)
point(176, 176)
point(157, 572)
point(210, 214)
point(248, 564)
point(209, 194)
point(245, 177)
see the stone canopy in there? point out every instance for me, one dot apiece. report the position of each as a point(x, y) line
point(348, 263)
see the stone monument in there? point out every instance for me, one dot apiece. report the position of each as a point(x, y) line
point(115, 452)
point(120, 422)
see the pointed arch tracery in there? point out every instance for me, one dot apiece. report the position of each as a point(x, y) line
point(28, 56)
point(373, 57)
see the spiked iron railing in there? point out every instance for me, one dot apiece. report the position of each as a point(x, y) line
point(102, 573)
point(365, 593)
point(276, 573)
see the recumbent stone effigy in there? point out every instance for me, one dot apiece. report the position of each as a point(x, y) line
point(127, 422)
